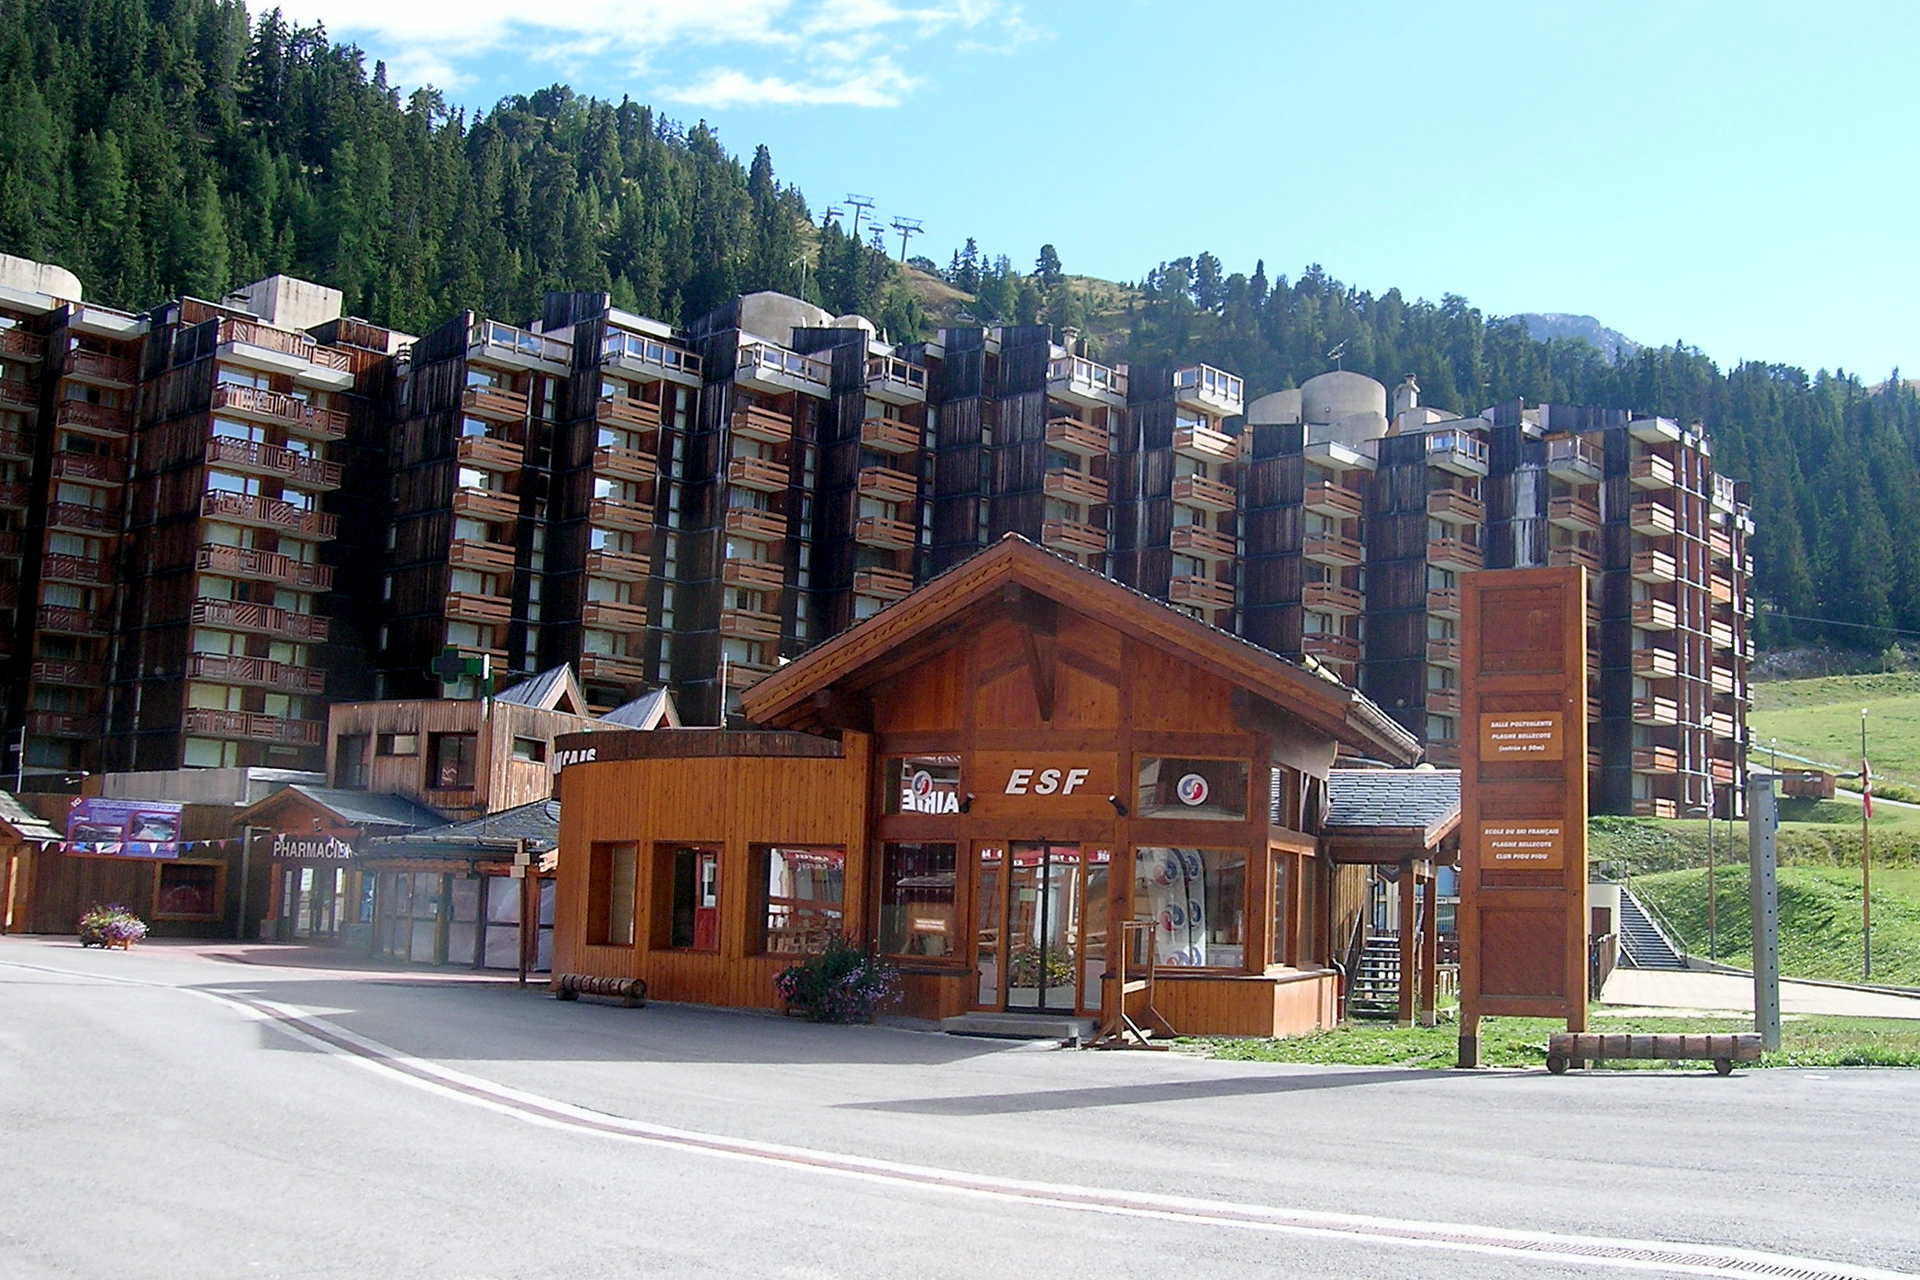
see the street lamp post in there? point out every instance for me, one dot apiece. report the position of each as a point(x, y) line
point(1706, 811)
point(1866, 856)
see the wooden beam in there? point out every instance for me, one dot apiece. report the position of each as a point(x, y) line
point(838, 709)
point(1409, 946)
point(1429, 949)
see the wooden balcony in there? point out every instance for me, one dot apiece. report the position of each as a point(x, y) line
point(1720, 590)
point(742, 675)
point(55, 567)
point(1655, 615)
point(1336, 500)
point(1207, 495)
point(493, 404)
point(486, 504)
point(1725, 728)
point(65, 724)
point(14, 495)
point(95, 366)
point(759, 474)
point(620, 566)
point(775, 369)
point(624, 464)
point(889, 435)
point(16, 393)
point(1070, 435)
point(1656, 760)
point(284, 341)
point(1727, 683)
point(1455, 507)
point(1074, 537)
point(1331, 597)
point(1656, 664)
point(260, 619)
point(71, 622)
point(1573, 554)
point(1457, 452)
point(1654, 566)
point(877, 531)
point(1199, 541)
point(1210, 390)
point(249, 457)
point(1443, 702)
point(749, 624)
point(895, 381)
point(257, 673)
point(268, 513)
point(1080, 381)
point(1656, 711)
point(89, 468)
point(1652, 520)
point(882, 584)
point(1452, 553)
point(480, 557)
point(1442, 653)
point(204, 722)
point(471, 606)
point(1203, 444)
point(627, 415)
point(85, 675)
point(1651, 471)
point(15, 445)
point(94, 419)
point(1573, 513)
point(486, 453)
point(282, 410)
point(1332, 549)
point(1655, 807)
point(1720, 544)
point(18, 344)
point(1722, 635)
point(761, 526)
point(762, 425)
point(754, 575)
point(1443, 753)
point(246, 562)
point(650, 358)
point(1075, 486)
point(614, 615)
point(1576, 460)
point(1330, 647)
point(884, 484)
point(614, 667)
point(1210, 593)
point(1443, 604)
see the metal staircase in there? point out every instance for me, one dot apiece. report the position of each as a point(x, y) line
point(1373, 989)
point(1643, 943)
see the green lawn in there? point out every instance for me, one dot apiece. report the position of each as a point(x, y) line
point(1820, 719)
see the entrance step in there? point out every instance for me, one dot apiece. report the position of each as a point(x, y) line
point(1021, 1026)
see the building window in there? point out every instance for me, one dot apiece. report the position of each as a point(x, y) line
point(350, 761)
point(1280, 941)
point(189, 891)
point(917, 909)
point(451, 764)
point(532, 750)
point(612, 876)
point(804, 891)
point(686, 898)
point(1197, 899)
point(1183, 788)
point(921, 784)
point(399, 744)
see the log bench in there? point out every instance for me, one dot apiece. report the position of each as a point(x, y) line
point(571, 986)
point(1578, 1048)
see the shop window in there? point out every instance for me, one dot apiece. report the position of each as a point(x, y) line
point(350, 762)
point(1172, 787)
point(685, 894)
point(612, 873)
point(398, 744)
point(922, 784)
point(1280, 940)
point(450, 767)
point(532, 750)
point(1197, 899)
point(188, 891)
point(917, 909)
point(804, 891)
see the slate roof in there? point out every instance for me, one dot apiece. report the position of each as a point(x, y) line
point(358, 808)
point(546, 690)
point(1410, 799)
point(649, 711)
point(26, 825)
point(537, 823)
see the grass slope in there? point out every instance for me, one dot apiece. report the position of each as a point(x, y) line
point(1820, 719)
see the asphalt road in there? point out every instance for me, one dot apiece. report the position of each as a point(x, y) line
point(165, 1113)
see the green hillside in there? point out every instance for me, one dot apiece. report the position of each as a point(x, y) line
point(1819, 720)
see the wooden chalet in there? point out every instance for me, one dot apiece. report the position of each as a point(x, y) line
point(992, 781)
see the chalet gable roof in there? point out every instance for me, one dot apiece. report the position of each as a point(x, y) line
point(372, 811)
point(935, 615)
point(648, 711)
point(1422, 801)
point(554, 689)
point(21, 824)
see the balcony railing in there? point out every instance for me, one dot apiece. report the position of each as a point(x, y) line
point(257, 672)
point(1655, 664)
point(762, 425)
point(1210, 593)
point(1074, 537)
point(1330, 499)
point(1443, 702)
point(491, 338)
point(761, 526)
point(883, 584)
point(1457, 451)
point(205, 722)
point(876, 531)
point(634, 348)
point(86, 675)
point(754, 575)
point(765, 361)
point(1575, 460)
point(486, 453)
point(1210, 390)
point(16, 394)
point(1655, 615)
point(70, 621)
point(494, 404)
point(1720, 543)
point(632, 415)
point(71, 515)
point(1077, 378)
point(1329, 646)
point(1455, 507)
point(1656, 760)
point(1070, 435)
point(749, 624)
point(486, 504)
point(65, 724)
point(1654, 566)
point(889, 435)
point(1453, 553)
point(264, 459)
point(480, 556)
point(622, 566)
point(1203, 444)
point(886, 373)
point(1442, 653)
point(284, 342)
point(625, 464)
point(13, 444)
point(64, 568)
point(267, 619)
point(614, 615)
point(1443, 603)
point(758, 473)
point(1656, 711)
point(1075, 486)
point(247, 562)
point(1574, 554)
point(1208, 495)
point(884, 484)
point(1573, 513)
point(246, 508)
point(1331, 597)
point(14, 494)
point(1651, 471)
point(612, 666)
point(101, 419)
point(21, 345)
point(1332, 549)
point(89, 468)
point(1652, 519)
point(612, 513)
point(82, 363)
point(1199, 541)
point(296, 414)
point(472, 606)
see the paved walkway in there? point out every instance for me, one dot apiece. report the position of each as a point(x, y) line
point(1698, 992)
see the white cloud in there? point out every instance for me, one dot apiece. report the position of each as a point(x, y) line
point(708, 53)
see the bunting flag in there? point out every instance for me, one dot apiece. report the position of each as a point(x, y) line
point(1866, 787)
point(142, 848)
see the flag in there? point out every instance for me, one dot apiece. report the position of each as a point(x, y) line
point(1866, 789)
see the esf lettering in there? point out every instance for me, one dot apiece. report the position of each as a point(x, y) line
point(1045, 782)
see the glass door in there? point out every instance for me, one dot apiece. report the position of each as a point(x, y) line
point(1044, 905)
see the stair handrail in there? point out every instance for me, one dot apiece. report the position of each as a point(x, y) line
point(1660, 924)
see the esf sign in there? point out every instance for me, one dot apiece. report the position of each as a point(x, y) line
point(1058, 784)
point(1045, 782)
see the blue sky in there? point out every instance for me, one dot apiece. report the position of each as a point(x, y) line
point(1738, 176)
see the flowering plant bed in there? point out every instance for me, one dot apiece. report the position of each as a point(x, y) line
point(841, 982)
point(110, 926)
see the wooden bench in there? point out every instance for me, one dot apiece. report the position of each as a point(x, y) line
point(571, 986)
point(1578, 1048)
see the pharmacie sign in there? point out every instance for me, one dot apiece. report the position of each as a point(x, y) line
point(311, 848)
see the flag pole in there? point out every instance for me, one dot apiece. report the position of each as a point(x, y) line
point(1866, 856)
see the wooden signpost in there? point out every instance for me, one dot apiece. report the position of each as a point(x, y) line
point(1523, 793)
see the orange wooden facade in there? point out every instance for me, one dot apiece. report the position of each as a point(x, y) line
point(1022, 755)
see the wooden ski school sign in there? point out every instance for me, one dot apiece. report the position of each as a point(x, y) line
point(1523, 792)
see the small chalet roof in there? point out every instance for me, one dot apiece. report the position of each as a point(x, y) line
point(537, 823)
point(933, 615)
point(649, 711)
point(366, 809)
point(22, 823)
point(1422, 801)
point(554, 689)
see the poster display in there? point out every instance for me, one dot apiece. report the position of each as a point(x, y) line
point(123, 828)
